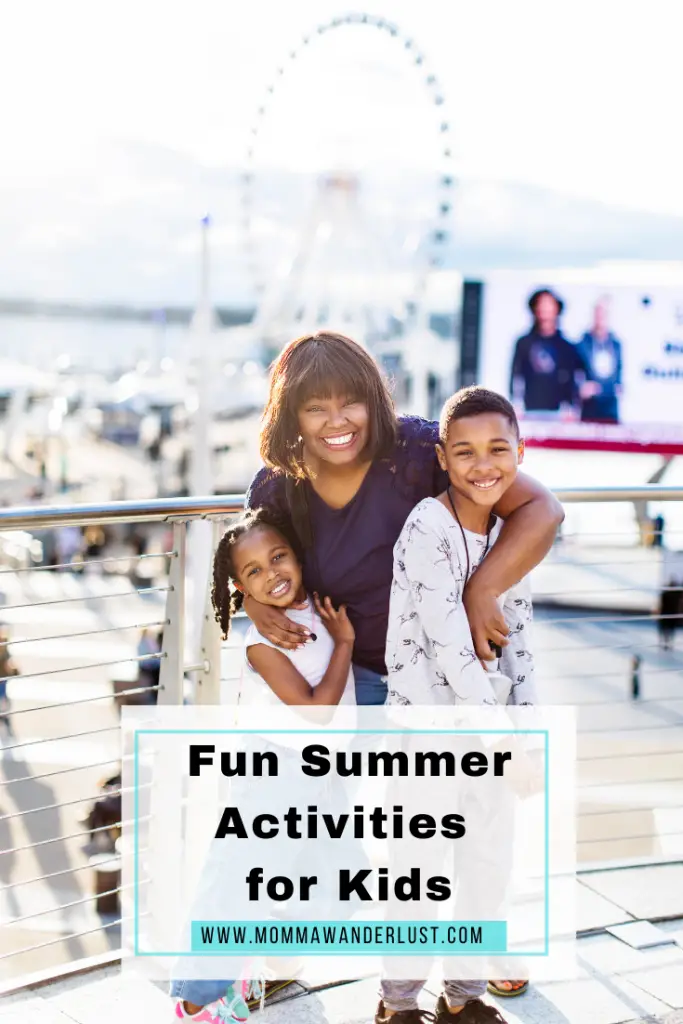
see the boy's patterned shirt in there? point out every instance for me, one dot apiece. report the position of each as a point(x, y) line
point(430, 654)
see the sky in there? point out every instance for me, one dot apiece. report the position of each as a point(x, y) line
point(579, 97)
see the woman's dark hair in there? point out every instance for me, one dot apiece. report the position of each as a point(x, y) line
point(319, 365)
point(533, 300)
point(227, 600)
point(474, 401)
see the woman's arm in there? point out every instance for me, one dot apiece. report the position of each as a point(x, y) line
point(275, 625)
point(532, 517)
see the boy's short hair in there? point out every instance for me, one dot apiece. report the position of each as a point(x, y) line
point(474, 401)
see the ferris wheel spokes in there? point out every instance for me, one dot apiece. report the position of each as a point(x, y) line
point(313, 283)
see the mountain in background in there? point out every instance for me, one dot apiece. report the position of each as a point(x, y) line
point(123, 228)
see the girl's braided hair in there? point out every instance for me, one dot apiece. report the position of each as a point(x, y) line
point(227, 600)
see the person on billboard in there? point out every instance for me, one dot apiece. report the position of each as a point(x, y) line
point(601, 354)
point(546, 368)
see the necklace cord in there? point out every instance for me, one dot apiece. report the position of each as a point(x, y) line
point(464, 538)
point(494, 647)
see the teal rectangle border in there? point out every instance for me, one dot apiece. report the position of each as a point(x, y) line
point(353, 732)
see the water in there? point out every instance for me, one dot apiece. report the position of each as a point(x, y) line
point(110, 345)
point(96, 344)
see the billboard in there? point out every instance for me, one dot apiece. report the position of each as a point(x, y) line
point(587, 364)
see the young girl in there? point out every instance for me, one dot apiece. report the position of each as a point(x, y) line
point(258, 557)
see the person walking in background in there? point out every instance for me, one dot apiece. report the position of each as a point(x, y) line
point(149, 665)
point(658, 525)
point(546, 368)
point(8, 667)
point(601, 354)
point(69, 546)
point(670, 614)
point(94, 540)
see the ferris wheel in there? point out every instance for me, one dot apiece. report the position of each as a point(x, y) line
point(345, 230)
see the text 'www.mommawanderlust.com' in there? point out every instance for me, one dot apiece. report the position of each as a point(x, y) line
point(338, 937)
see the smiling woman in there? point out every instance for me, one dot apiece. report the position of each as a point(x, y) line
point(347, 473)
point(324, 388)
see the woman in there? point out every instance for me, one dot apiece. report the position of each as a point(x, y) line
point(348, 473)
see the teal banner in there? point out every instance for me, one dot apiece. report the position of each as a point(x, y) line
point(383, 938)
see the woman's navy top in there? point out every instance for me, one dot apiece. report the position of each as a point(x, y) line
point(351, 559)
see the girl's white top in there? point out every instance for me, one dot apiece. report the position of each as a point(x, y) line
point(311, 662)
point(430, 653)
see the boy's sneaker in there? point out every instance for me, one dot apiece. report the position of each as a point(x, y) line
point(473, 1012)
point(256, 991)
point(230, 1007)
point(403, 1016)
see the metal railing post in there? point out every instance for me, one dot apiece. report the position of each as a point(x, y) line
point(208, 689)
point(171, 674)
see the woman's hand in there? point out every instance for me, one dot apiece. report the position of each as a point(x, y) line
point(336, 622)
point(275, 625)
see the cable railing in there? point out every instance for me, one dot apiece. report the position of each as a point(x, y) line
point(75, 630)
point(60, 870)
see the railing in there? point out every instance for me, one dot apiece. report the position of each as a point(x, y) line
point(75, 630)
point(75, 635)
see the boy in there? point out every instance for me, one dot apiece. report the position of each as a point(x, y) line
point(430, 654)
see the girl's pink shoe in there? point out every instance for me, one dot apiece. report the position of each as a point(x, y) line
point(231, 1007)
